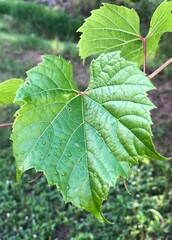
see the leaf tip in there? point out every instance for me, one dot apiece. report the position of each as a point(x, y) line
point(18, 175)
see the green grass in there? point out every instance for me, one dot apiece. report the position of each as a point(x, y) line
point(43, 21)
point(13, 52)
point(21, 43)
point(24, 42)
point(33, 210)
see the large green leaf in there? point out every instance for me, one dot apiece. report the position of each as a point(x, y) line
point(109, 29)
point(83, 141)
point(8, 90)
point(113, 28)
point(161, 22)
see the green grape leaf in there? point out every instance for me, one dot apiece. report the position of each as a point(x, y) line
point(113, 28)
point(8, 90)
point(109, 29)
point(161, 22)
point(83, 141)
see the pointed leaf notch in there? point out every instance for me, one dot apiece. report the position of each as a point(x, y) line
point(83, 142)
point(113, 28)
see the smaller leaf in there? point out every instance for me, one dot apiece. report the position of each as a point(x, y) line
point(8, 90)
point(112, 28)
point(161, 22)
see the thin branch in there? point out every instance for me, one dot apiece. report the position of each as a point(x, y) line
point(144, 52)
point(40, 175)
point(125, 185)
point(152, 75)
point(6, 125)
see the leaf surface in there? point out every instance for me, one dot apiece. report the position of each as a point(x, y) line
point(161, 22)
point(109, 29)
point(113, 28)
point(8, 90)
point(83, 141)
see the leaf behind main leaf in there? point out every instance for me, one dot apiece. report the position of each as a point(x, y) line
point(109, 29)
point(112, 28)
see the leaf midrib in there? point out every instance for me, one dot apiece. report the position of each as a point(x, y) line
point(87, 163)
point(52, 89)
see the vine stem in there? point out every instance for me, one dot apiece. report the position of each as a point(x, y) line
point(6, 125)
point(125, 185)
point(152, 75)
point(40, 175)
point(145, 52)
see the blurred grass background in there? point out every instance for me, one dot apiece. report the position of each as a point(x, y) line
point(29, 29)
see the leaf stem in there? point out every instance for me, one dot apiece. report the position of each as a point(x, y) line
point(5, 125)
point(40, 175)
point(144, 52)
point(152, 75)
point(125, 185)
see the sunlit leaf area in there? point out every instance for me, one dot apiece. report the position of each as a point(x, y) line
point(57, 182)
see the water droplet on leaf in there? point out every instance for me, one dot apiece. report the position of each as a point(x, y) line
point(69, 109)
point(50, 134)
point(63, 174)
point(56, 173)
point(69, 154)
point(43, 142)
